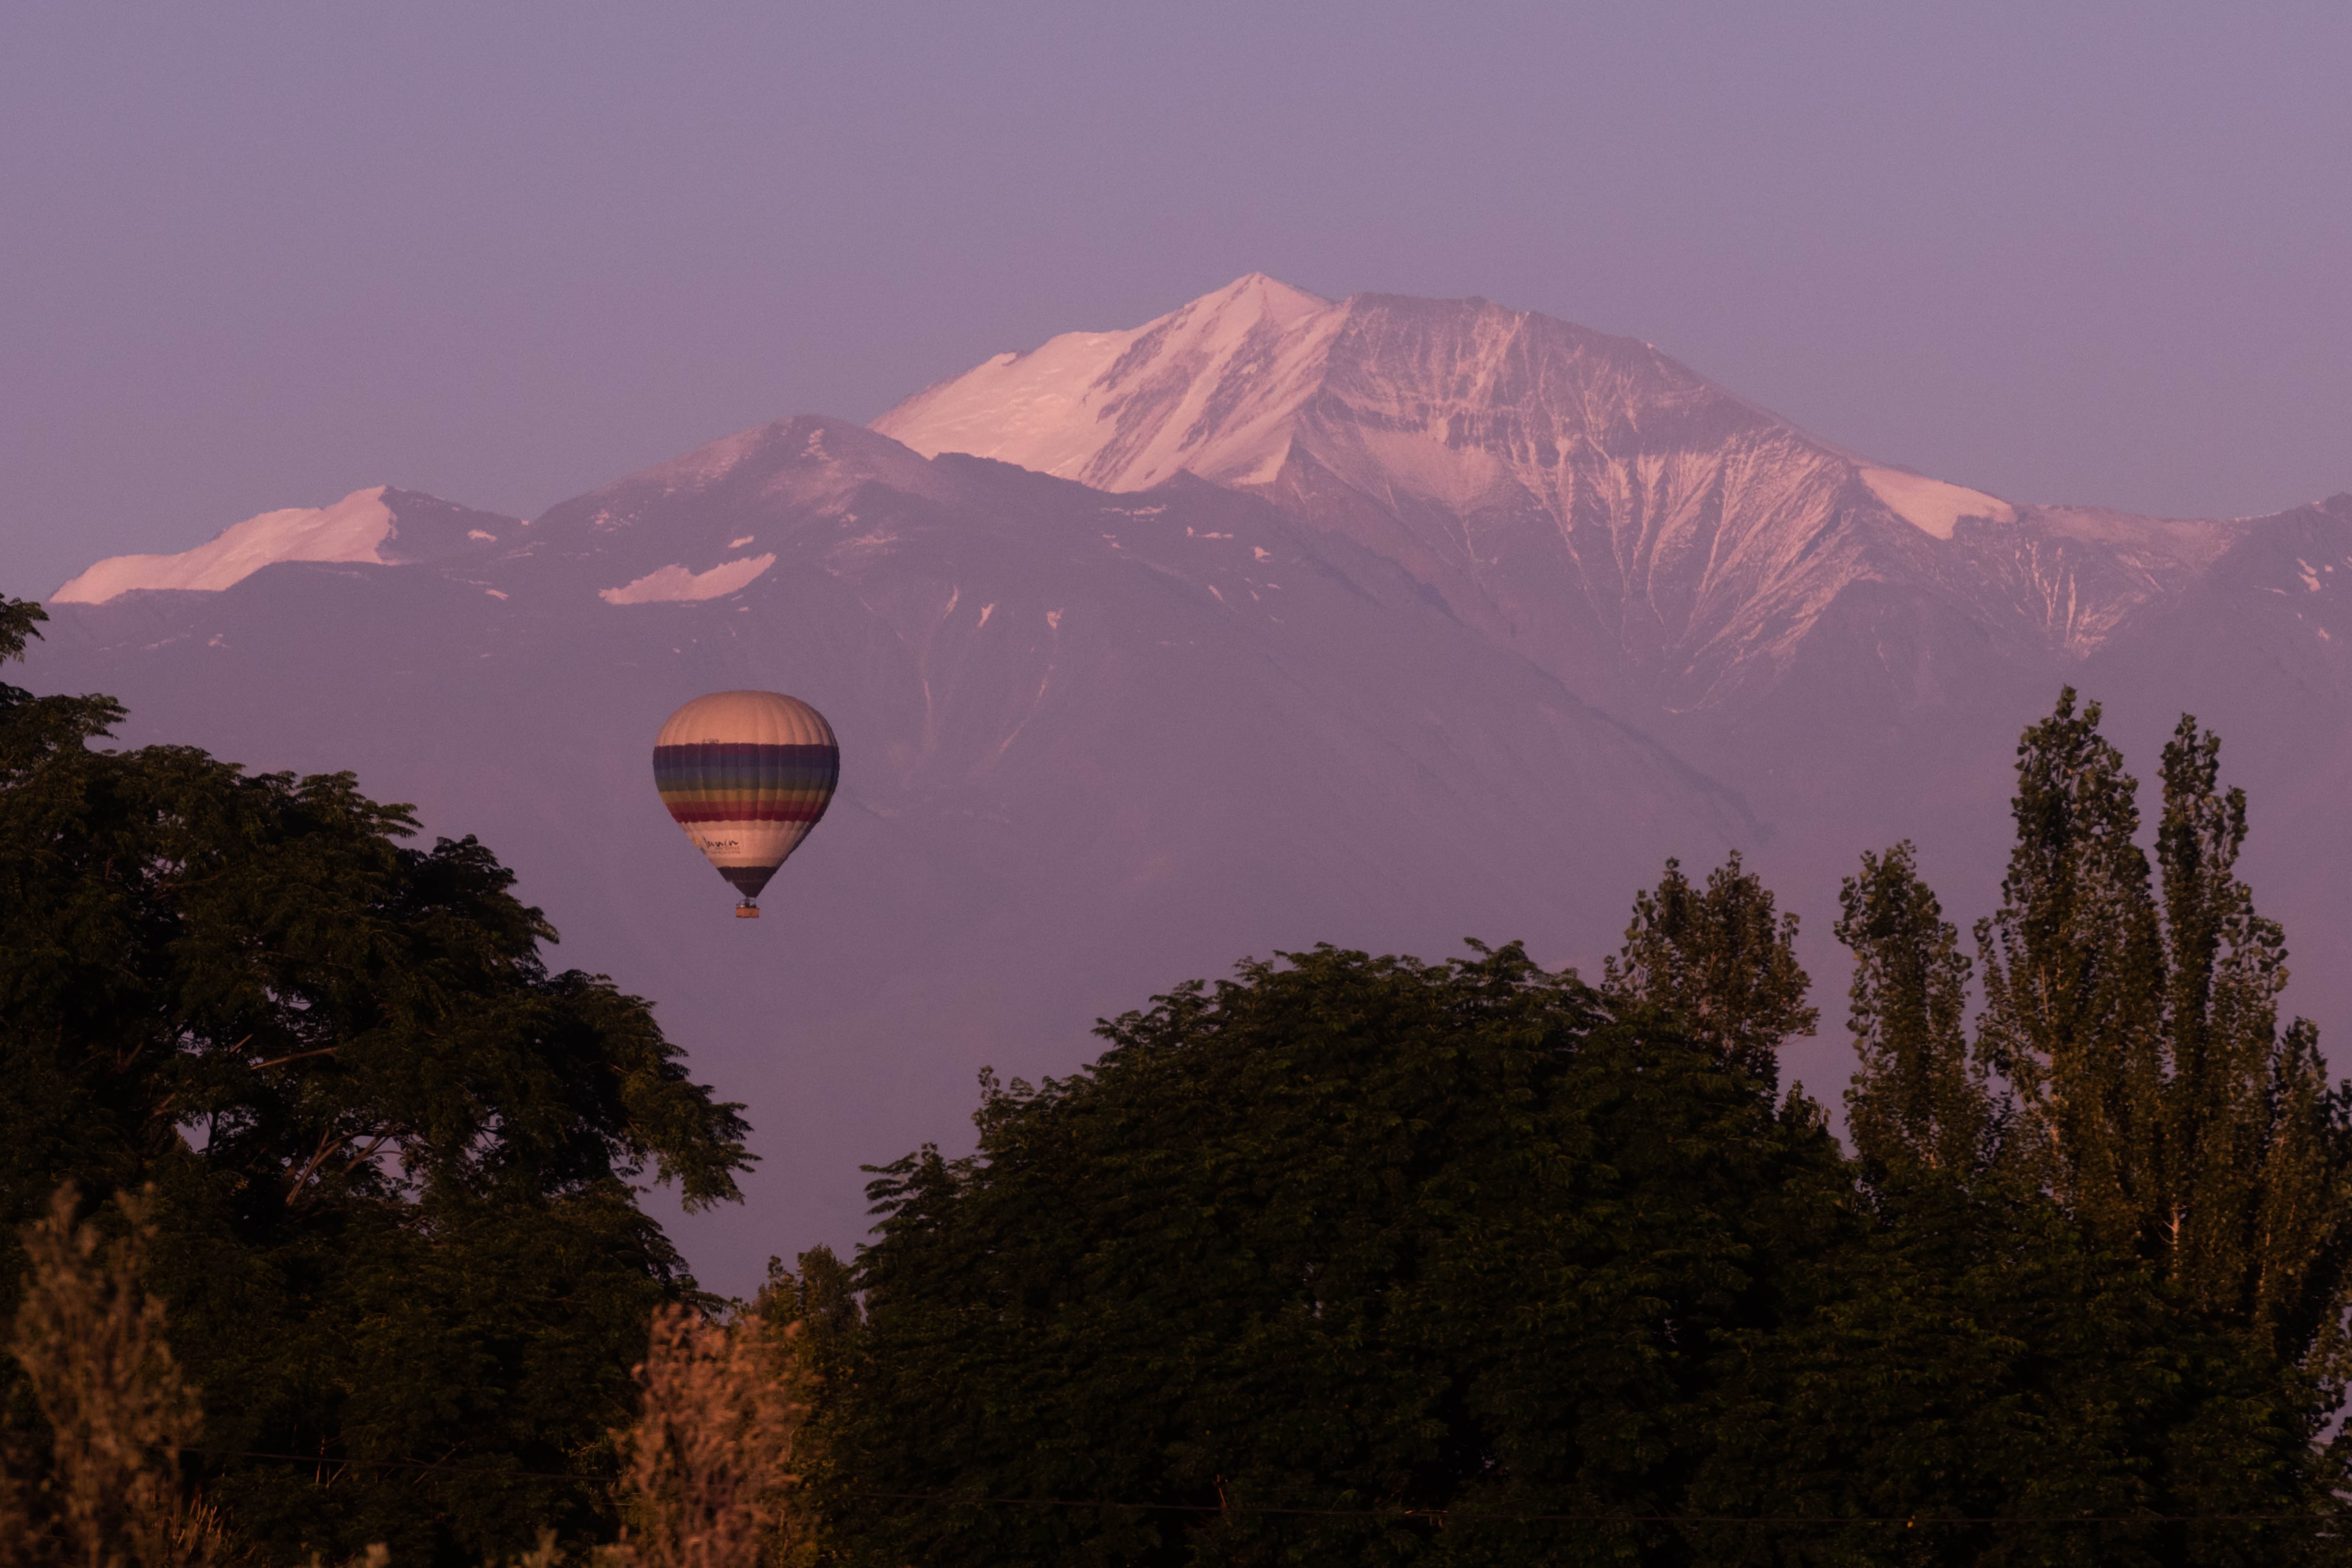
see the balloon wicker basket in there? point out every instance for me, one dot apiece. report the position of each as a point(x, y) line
point(746, 910)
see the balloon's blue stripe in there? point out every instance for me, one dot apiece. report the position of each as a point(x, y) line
point(733, 767)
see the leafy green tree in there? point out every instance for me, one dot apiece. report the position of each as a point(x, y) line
point(2162, 1102)
point(2258, 1189)
point(813, 1313)
point(1716, 960)
point(1972, 1383)
point(1351, 1235)
point(1920, 1098)
point(2073, 983)
point(394, 1153)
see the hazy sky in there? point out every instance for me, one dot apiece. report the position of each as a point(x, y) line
point(254, 257)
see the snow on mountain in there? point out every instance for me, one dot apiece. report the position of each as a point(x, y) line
point(350, 530)
point(2071, 578)
point(677, 585)
point(1854, 644)
point(380, 526)
point(1931, 505)
point(1207, 389)
point(1638, 531)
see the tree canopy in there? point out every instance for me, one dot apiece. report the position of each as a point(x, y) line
point(1356, 1259)
point(1351, 1235)
point(394, 1153)
point(1920, 1098)
point(1718, 959)
point(2129, 1062)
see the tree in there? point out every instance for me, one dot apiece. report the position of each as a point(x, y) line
point(1715, 960)
point(32, 728)
point(2160, 1101)
point(1920, 1099)
point(2074, 982)
point(2257, 1185)
point(709, 1468)
point(1352, 1235)
point(1970, 1381)
point(117, 1415)
point(393, 1152)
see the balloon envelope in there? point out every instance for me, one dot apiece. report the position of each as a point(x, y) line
point(747, 774)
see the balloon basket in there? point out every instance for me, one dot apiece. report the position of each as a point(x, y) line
point(746, 910)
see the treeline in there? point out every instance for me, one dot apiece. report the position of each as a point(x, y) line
point(1360, 1260)
point(1347, 1259)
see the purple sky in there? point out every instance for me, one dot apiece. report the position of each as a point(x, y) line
point(254, 257)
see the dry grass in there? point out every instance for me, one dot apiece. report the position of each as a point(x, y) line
point(708, 1479)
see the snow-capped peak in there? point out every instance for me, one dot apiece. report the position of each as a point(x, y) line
point(1202, 388)
point(1582, 496)
point(380, 526)
point(353, 528)
point(1222, 386)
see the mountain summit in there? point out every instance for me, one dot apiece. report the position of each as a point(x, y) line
point(1480, 399)
point(1211, 389)
point(380, 527)
point(1640, 532)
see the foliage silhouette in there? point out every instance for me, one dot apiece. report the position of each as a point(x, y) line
point(393, 1153)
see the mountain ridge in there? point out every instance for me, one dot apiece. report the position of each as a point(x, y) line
point(1639, 531)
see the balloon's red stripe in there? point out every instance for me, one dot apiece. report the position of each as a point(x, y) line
point(722, 811)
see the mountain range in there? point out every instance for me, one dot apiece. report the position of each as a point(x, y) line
point(1385, 621)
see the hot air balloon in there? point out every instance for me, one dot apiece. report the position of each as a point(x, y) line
point(747, 774)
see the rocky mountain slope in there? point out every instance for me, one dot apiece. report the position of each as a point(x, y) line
point(1855, 645)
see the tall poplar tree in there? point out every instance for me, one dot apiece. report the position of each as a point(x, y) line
point(1720, 962)
point(2159, 1100)
point(2074, 982)
point(2256, 1195)
point(1920, 1099)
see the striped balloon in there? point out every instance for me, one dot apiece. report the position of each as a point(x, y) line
point(747, 774)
